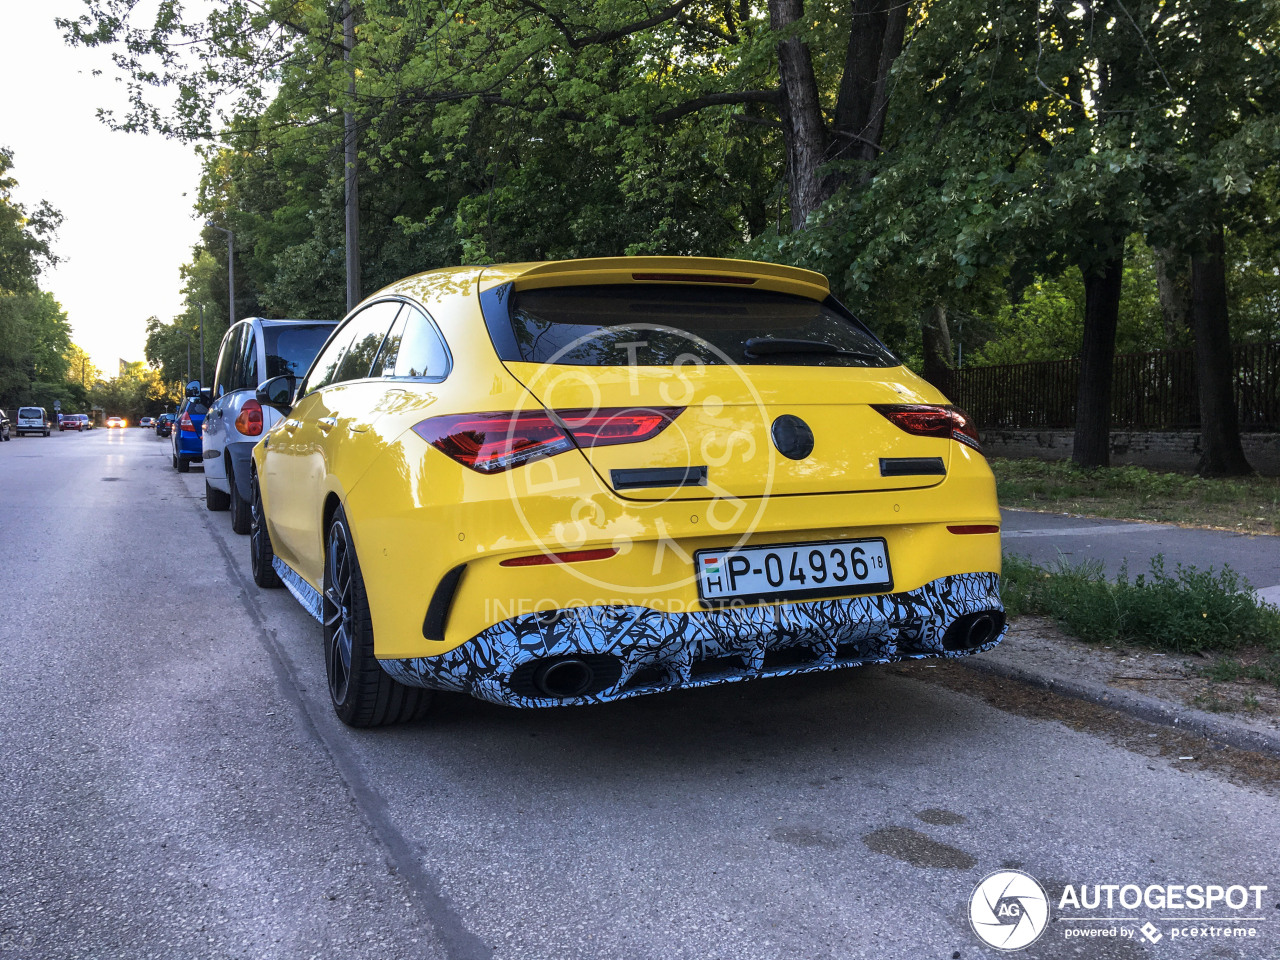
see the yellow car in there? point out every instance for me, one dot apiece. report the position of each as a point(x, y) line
point(574, 482)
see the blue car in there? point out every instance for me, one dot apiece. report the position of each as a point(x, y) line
point(186, 437)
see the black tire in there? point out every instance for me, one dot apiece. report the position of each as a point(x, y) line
point(175, 460)
point(215, 499)
point(260, 553)
point(240, 520)
point(184, 466)
point(363, 694)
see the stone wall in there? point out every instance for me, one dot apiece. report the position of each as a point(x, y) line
point(1177, 450)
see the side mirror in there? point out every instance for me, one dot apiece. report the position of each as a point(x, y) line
point(278, 393)
point(193, 388)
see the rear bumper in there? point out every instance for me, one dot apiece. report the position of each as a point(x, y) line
point(241, 457)
point(635, 650)
point(188, 447)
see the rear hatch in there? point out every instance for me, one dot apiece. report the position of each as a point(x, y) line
point(721, 440)
point(752, 392)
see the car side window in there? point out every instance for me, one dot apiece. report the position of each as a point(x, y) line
point(370, 329)
point(224, 373)
point(247, 376)
point(385, 364)
point(422, 351)
point(326, 365)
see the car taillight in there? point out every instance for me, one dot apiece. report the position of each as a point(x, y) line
point(249, 423)
point(184, 423)
point(601, 428)
point(493, 442)
point(927, 420)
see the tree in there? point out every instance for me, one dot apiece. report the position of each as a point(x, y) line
point(34, 334)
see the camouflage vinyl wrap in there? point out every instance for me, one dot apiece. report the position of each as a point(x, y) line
point(666, 651)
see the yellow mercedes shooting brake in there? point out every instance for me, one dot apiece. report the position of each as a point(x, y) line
point(573, 482)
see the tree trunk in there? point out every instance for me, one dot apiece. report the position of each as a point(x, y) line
point(1173, 284)
point(1097, 352)
point(875, 40)
point(803, 129)
point(937, 346)
point(1221, 453)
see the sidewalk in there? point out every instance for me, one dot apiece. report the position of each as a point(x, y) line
point(1167, 689)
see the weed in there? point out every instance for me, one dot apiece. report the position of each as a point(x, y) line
point(1187, 611)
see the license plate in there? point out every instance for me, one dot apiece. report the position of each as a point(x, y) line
point(793, 571)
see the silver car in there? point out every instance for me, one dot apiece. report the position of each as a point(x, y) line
point(252, 351)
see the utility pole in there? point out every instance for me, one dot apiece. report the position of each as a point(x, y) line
point(188, 333)
point(201, 345)
point(231, 279)
point(351, 182)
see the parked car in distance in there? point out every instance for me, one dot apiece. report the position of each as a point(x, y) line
point(252, 351)
point(32, 420)
point(146, 422)
point(70, 421)
point(187, 428)
point(5, 433)
point(87, 421)
point(164, 424)
point(577, 482)
point(113, 422)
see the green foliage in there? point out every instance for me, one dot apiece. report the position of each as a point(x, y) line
point(1187, 611)
point(35, 338)
point(1025, 143)
point(137, 392)
point(25, 237)
point(1047, 320)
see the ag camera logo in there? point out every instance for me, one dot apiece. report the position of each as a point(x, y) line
point(1008, 910)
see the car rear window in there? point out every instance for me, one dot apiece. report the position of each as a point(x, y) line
point(290, 349)
point(30, 413)
point(662, 325)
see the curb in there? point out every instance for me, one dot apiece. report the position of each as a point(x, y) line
point(1209, 725)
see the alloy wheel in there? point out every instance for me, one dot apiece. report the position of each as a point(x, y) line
point(338, 612)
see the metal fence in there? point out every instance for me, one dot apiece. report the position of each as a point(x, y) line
point(1149, 391)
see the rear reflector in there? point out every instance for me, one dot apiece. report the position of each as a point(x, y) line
point(493, 442)
point(928, 420)
point(693, 278)
point(975, 528)
point(573, 556)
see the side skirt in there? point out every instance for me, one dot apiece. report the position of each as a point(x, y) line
point(302, 591)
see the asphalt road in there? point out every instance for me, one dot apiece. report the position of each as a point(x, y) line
point(176, 785)
point(1050, 538)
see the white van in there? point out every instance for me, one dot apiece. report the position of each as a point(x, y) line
point(32, 420)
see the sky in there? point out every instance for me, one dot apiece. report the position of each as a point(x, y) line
point(126, 199)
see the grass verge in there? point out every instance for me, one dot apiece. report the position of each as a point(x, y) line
point(1186, 611)
point(1249, 504)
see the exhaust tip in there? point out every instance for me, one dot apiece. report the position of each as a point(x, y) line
point(973, 630)
point(563, 678)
